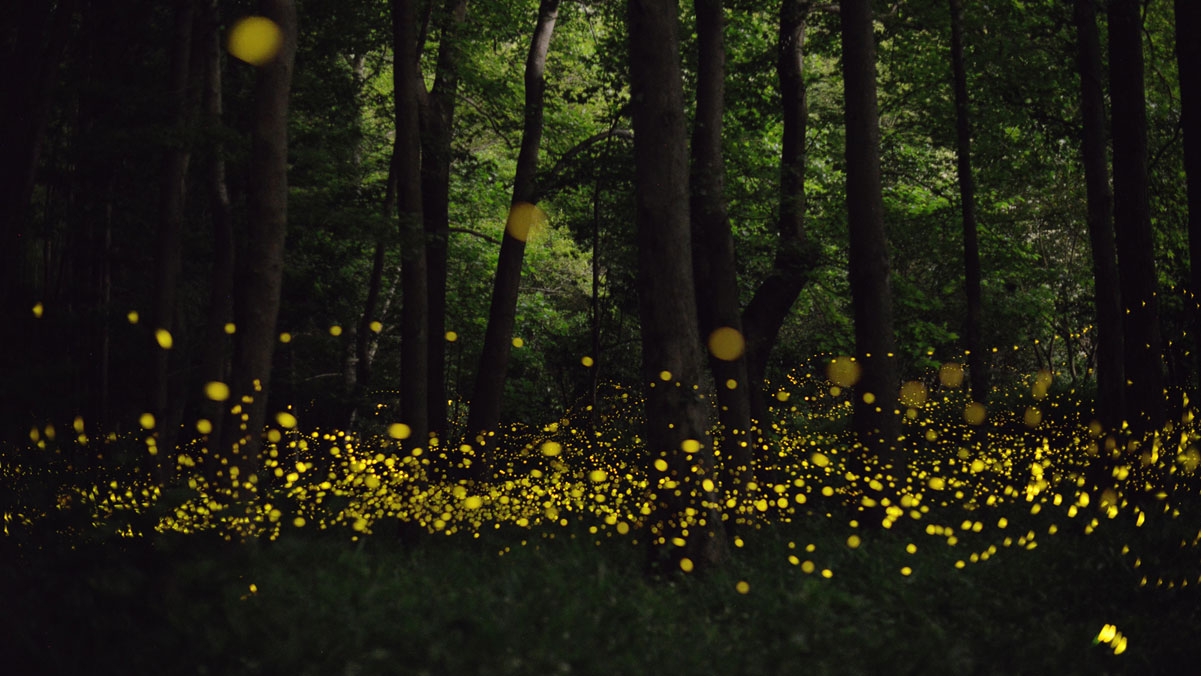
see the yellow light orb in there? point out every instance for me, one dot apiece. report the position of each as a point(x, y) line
point(974, 413)
point(950, 374)
point(587, 361)
point(451, 336)
point(726, 343)
point(163, 336)
point(285, 419)
point(376, 327)
point(217, 391)
point(255, 40)
point(525, 219)
point(399, 431)
point(843, 371)
point(913, 393)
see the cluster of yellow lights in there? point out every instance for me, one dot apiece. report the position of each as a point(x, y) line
point(964, 495)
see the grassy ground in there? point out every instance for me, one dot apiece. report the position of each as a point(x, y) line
point(321, 605)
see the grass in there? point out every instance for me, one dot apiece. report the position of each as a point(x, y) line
point(453, 604)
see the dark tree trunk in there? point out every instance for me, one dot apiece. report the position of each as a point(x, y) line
point(484, 415)
point(977, 370)
point(1110, 367)
point(714, 268)
point(215, 350)
point(874, 418)
point(34, 43)
point(1188, 61)
point(773, 300)
point(263, 265)
point(437, 126)
point(168, 256)
point(414, 389)
point(363, 340)
point(1143, 353)
point(671, 359)
point(34, 38)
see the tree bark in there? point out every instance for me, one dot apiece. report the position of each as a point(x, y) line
point(1188, 56)
point(1143, 353)
point(437, 127)
point(714, 268)
point(34, 41)
point(793, 263)
point(671, 360)
point(1107, 294)
point(168, 256)
point(977, 370)
point(215, 350)
point(263, 265)
point(414, 389)
point(874, 417)
point(484, 415)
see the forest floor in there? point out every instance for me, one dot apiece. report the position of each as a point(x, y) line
point(999, 563)
point(559, 602)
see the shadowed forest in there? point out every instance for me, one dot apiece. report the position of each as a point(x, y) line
point(600, 336)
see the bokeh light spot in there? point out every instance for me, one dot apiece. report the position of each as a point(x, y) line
point(255, 40)
point(726, 343)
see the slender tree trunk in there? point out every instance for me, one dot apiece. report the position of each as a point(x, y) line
point(595, 324)
point(263, 265)
point(168, 255)
point(414, 283)
point(714, 268)
point(215, 349)
point(977, 370)
point(774, 298)
point(484, 415)
point(364, 335)
point(875, 417)
point(1107, 295)
point(1143, 350)
point(437, 126)
point(671, 359)
point(1188, 56)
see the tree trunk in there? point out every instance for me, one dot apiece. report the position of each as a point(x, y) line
point(263, 265)
point(34, 42)
point(774, 298)
point(875, 417)
point(1107, 296)
point(977, 373)
point(215, 350)
point(671, 359)
point(414, 389)
point(1143, 353)
point(714, 268)
point(168, 254)
point(484, 415)
point(1188, 56)
point(35, 37)
point(437, 126)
